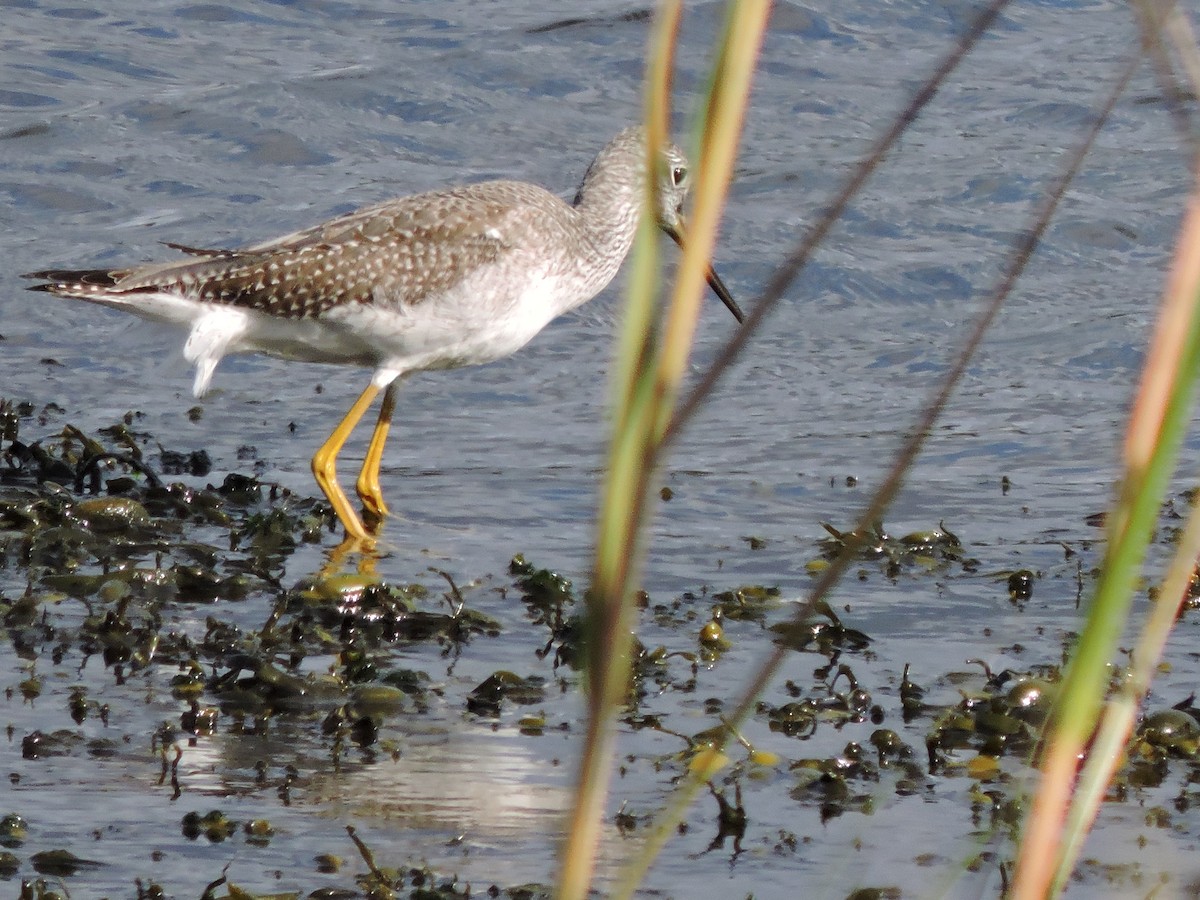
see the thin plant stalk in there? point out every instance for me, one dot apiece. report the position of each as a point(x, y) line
point(668, 818)
point(1163, 27)
point(1158, 422)
point(619, 543)
point(1065, 807)
point(649, 369)
point(729, 89)
point(1120, 714)
point(787, 272)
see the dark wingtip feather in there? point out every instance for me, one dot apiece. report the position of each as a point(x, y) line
point(90, 277)
point(200, 251)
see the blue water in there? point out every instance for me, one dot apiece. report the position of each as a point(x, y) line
point(213, 124)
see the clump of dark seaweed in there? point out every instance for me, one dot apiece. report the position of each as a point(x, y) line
point(933, 549)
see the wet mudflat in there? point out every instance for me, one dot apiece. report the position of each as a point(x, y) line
point(197, 684)
point(356, 732)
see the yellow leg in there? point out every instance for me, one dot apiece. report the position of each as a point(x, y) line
point(368, 487)
point(324, 465)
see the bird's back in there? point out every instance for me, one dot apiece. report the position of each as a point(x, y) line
point(401, 252)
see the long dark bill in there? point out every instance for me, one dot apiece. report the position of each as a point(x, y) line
point(713, 279)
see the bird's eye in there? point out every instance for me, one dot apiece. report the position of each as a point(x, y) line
point(679, 175)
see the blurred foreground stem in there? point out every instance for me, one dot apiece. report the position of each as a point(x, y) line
point(649, 368)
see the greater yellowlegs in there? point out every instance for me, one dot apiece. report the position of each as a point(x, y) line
point(433, 281)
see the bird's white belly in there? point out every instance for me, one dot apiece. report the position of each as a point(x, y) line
point(475, 323)
point(462, 328)
point(309, 340)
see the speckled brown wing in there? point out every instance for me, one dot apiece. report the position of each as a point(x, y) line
point(395, 253)
point(399, 253)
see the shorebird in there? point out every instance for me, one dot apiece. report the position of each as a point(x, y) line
point(437, 280)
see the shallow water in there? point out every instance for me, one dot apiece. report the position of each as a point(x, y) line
point(214, 125)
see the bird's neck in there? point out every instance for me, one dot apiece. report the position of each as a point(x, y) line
point(609, 204)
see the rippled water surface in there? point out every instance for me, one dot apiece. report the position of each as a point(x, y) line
point(129, 124)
